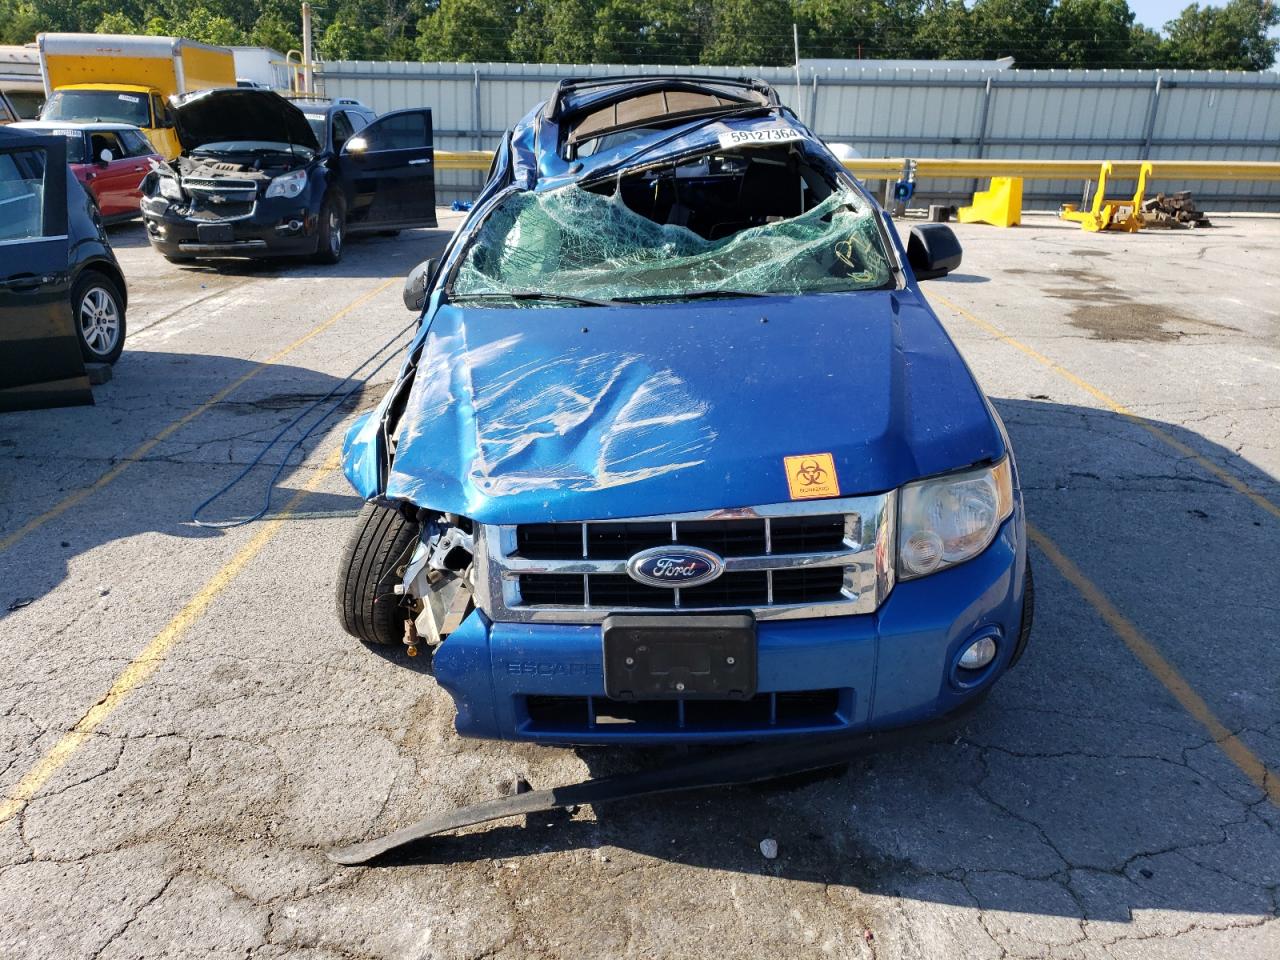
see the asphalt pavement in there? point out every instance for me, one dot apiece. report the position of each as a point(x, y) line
point(185, 730)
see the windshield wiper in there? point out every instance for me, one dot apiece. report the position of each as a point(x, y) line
point(693, 295)
point(534, 295)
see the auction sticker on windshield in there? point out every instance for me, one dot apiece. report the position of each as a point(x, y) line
point(738, 138)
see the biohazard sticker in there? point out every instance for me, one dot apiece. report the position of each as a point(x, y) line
point(811, 476)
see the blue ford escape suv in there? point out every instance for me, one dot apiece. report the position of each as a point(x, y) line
point(680, 451)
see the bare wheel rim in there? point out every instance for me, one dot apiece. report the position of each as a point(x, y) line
point(335, 232)
point(99, 320)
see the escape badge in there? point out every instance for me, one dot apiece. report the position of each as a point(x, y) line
point(811, 475)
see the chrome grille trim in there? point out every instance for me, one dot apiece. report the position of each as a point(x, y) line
point(867, 556)
point(210, 185)
point(242, 205)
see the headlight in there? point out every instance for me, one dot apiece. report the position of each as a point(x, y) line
point(287, 185)
point(947, 520)
point(170, 190)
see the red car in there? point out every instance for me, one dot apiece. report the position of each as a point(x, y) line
point(110, 159)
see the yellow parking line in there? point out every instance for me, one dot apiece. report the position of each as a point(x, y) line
point(1232, 481)
point(147, 446)
point(153, 654)
point(1162, 669)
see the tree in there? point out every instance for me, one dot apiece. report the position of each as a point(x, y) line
point(271, 30)
point(750, 32)
point(468, 30)
point(346, 38)
point(1091, 33)
point(196, 23)
point(945, 30)
point(880, 29)
point(1144, 47)
point(19, 22)
point(1036, 33)
point(569, 28)
point(1233, 37)
point(116, 23)
point(528, 41)
point(1013, 28)
point(651, 31)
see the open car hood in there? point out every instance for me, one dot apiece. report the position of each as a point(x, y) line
point(531, 414)
point(213, 116)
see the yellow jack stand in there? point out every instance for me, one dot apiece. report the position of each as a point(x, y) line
point(1001, 205)
point(1110, 214)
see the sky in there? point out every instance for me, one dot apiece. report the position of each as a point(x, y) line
point(1156, 13)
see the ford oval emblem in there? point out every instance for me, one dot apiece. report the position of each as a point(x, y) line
point(675, 566)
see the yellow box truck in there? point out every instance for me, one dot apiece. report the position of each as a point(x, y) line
point(109, 77)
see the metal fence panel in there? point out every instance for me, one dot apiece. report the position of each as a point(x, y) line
point(898, 111)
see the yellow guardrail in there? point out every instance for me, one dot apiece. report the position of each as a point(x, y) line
point(1070, 169)
point(889, 168)
point(463, 159)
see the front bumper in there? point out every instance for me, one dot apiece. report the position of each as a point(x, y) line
point(276, 227)
point(544, 682)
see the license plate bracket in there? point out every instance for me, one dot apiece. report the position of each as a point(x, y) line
point(694, 657)
point(215, 233)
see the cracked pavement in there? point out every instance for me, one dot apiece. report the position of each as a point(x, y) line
point(1080, 814)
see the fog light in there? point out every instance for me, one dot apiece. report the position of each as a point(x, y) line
point(978, 654)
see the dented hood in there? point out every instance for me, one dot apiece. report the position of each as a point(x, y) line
point(519, 415)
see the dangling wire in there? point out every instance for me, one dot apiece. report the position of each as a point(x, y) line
point(284, 461)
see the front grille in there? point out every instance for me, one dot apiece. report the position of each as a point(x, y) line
point(765, 711)
point(236, 199)
point(219, 185)
point(790, 560)
point(223, 211)
point(729, 538)
point(733, 590)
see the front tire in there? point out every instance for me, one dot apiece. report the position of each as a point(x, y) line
point(332, 231)
point(97, 305)
point(1028, 616)
point(380, 545)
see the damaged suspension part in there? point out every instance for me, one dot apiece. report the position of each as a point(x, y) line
point(437, 581)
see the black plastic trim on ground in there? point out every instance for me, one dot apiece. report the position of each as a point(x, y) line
point(737, 765)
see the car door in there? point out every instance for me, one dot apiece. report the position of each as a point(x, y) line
point(388, 172)
point(342, 129)
point(113, 181)
point(140, 155)
point(40, 362)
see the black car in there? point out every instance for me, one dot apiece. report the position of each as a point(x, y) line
point(333, 122)
point(254, 180)
point(62, 294)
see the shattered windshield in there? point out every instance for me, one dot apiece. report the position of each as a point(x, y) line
point(573, 243)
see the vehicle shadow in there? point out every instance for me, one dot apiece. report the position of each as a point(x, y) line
point(1081, 790)
point(48, 454)
point(963, 278)
point(366, 255)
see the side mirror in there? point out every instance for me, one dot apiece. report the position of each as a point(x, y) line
point(415, 285)
point(356, 145)
point(933, 251)
point(106, 156)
